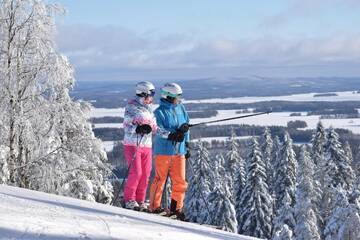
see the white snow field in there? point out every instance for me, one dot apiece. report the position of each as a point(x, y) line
point(26, 215)
point(306, 97)
point(274, 119)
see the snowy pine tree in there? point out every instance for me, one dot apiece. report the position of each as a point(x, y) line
point(284, 221)
point(221, 176)
point(338, 175)
point(255, 216)
point(318, 156)
point(276, 151)
point(337, 167)
point(318, 145)
point(267, 148)
point(166, 197)
point(344, 221)
point(348, 153)
point(285, 173)
point(199, 185)
point(222, 209)
point(356, 162)
point(284, 188)
point(239, 187)
point(234, 162)
point(51, 145)
point(306, 221)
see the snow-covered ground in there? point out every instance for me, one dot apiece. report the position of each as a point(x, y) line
point(107, 112)
point(341, 96)
point(108, 125)
point(281, 119)
point(26, 214)
point(273, 119)
point(223, 139)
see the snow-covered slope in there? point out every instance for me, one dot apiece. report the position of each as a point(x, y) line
point(26, 214)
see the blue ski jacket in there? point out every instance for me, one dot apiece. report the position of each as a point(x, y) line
point(170, 117)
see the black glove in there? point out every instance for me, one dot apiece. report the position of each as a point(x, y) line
point(184, 128)
point(188, 152)
point(177, 136)
point(143, 129)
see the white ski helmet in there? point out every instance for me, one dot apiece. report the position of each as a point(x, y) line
point(172, 90)
point(145, 89)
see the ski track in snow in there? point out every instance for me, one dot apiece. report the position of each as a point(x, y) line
point(29, 215)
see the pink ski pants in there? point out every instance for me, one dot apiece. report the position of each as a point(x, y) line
point(139, 173)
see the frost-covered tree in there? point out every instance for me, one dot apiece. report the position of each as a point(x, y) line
point(284, 188)
point(354, 197)
point(284, 221)
point(221, 177)
point(166, 197)
point(318, 145)
point(276, 151)
point(305, 217)
point(285, 173)
point(234, 161)
point(318, 156)
point(267, 148)
point(255, 216)
point(356, 162)
point(338, 175)
point(283, 233)
point(337, 168)
point(344, 221)
point(222, 209)
point(51, 145)
point(348, 153)
point(239, 186)
point(4, 171)
point(199, 185)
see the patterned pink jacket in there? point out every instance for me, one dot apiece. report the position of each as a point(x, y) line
point(138, 113)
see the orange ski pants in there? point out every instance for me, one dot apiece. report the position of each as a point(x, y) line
point(174, 165)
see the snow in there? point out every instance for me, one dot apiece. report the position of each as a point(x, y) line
point(221, 139)
point(273, 119)
point(281, 119)
point(107, 112)
point(26, 214)
point(342, 96)
point(108, 125)
point(108, 145)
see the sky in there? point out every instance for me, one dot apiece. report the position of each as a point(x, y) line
point(160, 39)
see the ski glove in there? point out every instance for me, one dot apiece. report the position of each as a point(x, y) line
point(188, 153)
point(143, 129)
point(177, 136)
point(184, 128)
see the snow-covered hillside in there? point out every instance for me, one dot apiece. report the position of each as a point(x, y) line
point(26, 214)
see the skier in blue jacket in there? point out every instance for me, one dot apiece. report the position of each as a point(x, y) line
point(171, 146)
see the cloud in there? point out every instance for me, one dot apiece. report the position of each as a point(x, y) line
point(304, 9)
point(117, 47)
point(109, 47)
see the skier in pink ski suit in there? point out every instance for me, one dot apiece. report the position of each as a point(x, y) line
point(139, 123)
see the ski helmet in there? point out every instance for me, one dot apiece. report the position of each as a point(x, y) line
point(171, 90)
point(144, 89)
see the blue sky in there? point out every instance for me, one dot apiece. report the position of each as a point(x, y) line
point(193, 37)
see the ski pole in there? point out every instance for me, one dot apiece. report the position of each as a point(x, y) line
point(228, 119)
point(128, 169)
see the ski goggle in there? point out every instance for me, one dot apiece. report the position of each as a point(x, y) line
point(171, 95)
point(152, 92)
